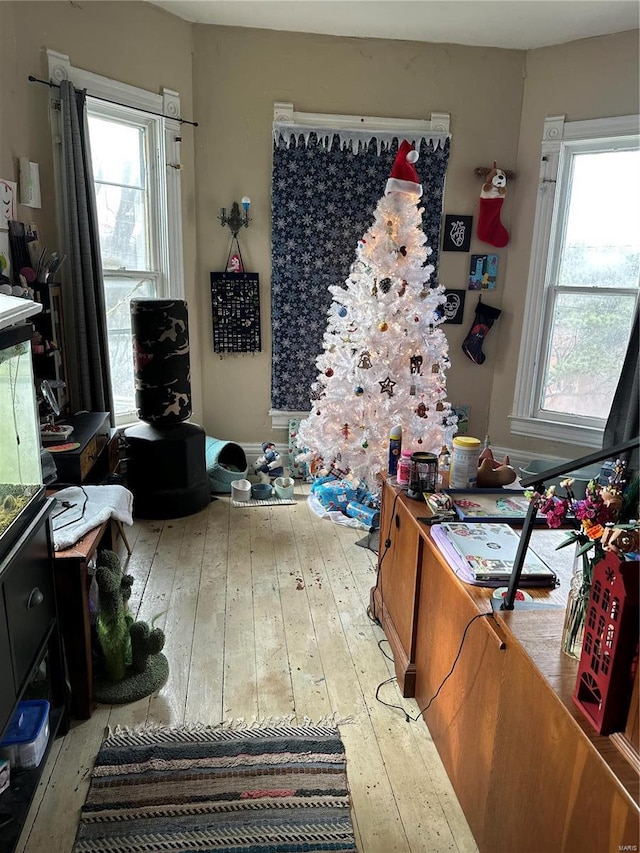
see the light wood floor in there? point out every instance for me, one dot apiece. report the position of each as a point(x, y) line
point(265, 614)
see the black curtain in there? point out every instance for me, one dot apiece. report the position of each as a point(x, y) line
point(87, 354)
point(623, 422)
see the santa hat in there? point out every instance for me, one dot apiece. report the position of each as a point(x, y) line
point(404, 178)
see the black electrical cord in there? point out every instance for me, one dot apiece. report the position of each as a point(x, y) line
point(408, 717)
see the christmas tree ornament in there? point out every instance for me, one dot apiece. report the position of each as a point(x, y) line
point(483, 321)
point(329, 372)
point(490, 228)
point(365, 360)
point(386, 386)
point(342, 311)
point(385, 285)
point(404, 177)
point(416, 363)
point(345, 430)
point(383, 326)
point(421, 411)
point(359, 391)
point(403, 288)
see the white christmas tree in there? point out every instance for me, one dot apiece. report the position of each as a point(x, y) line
point(384, 356)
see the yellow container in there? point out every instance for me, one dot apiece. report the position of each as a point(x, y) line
point(464, 462)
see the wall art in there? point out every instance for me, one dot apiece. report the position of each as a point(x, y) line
point(457, 233)
point(483, 272)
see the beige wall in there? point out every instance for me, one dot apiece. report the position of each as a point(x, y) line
point(588, 79)
point(240, 73)
point(229, 78)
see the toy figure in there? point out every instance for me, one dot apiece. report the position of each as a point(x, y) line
point(269, 465)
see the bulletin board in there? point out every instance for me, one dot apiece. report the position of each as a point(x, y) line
point(235, 303)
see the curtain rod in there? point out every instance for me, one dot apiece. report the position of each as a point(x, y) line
point(33, 79)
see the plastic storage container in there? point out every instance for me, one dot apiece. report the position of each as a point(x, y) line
point(26, 737)
point(464, 462)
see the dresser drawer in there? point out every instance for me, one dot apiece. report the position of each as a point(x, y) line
point(30, 603)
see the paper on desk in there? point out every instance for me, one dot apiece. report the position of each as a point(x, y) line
point(89, 507)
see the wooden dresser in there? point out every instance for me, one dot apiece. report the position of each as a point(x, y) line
point(529, 771)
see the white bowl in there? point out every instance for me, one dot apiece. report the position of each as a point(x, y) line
point(240, 490)
point(284, 488)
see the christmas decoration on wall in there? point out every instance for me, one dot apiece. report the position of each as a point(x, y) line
point(457, 233)
point(483, 321)
point(390, 356)
point(494, 189)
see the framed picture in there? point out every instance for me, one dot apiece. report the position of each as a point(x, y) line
point(483, 272)
point(497, 505)
point(462, 411)
point(453, 308)
point(457, 233)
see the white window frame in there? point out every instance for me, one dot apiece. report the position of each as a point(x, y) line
point(166, 219)
point(560, 140)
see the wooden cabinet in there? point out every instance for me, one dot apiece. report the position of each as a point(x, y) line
point(529, 771)
point(29, 646)
point(394, 599)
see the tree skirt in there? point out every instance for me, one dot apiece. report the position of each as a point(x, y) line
point(265, 789)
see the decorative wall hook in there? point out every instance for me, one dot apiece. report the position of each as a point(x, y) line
point(236, 220)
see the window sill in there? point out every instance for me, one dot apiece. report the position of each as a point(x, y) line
point(582, 436)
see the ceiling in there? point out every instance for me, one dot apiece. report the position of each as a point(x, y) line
point(518, 24)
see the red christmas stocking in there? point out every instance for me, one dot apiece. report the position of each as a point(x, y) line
point(490, 229)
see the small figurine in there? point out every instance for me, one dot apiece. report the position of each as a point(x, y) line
point(269, 465)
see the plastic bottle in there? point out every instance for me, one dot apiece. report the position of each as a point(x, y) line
point(464, 462)
point(444, 467)
point(395, 446)
point(404, 468)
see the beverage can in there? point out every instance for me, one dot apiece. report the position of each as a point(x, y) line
point(464, 462)
point(395, 446)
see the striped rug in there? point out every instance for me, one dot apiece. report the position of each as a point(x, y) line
point(276, 789)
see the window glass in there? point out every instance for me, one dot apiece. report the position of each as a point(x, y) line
point(602, 238)
point(118, 294)
point(126, 200)
point(587, 345)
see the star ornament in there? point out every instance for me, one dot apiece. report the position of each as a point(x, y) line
point(386, 386)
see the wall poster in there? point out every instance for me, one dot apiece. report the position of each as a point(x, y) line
point(235, 304)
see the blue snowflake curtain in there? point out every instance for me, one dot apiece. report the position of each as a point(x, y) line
point(322, 202)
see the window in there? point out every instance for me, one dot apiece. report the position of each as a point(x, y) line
point(133, 147)
point(125, 155)
point(583, 280)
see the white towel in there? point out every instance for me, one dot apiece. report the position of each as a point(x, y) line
point(89, 507)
